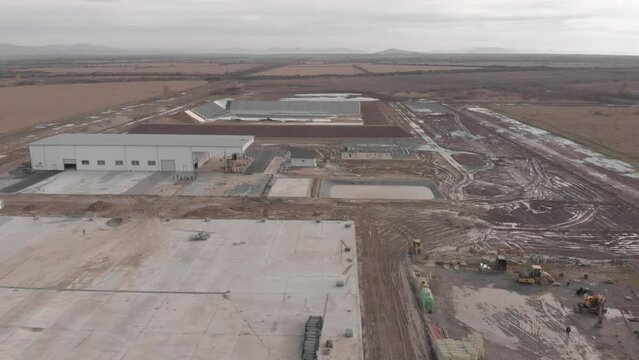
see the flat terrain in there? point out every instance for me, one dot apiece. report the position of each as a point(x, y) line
point(507, 188)
point(311, 70)
point(142, 290)
point(146, 68)
point(611, 130)
point(398, 68)
point(149, 183)
point(26, 106)
point(290, 187)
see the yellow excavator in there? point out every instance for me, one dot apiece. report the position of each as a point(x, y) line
point(593, 304)
point(536, 275)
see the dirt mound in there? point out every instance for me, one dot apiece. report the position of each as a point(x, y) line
point(100, 206)
point(115, 222)
point(469, 160)
point(482, 190)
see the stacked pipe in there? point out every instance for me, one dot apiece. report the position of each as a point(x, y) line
point(312, 335)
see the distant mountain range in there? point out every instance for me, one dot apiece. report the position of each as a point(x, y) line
point(9, 51)
point(285, 51)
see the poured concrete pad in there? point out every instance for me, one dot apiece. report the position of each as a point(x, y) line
point(142, 290)
point(407, 192)
point(224, 184)
point(379, 189)
point(89, 182)
point(290, 187)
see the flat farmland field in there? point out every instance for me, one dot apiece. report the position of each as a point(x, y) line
point(609, 130)
point(147, 68)
point(312, 70)
point(392, 68)
point(22, 107)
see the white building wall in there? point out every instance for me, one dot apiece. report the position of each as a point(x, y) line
point(108, 154)
point(295, 162)
point(50, 157)
point(36, 154)
point(182, 155)
point(142, 154)
point(53, 156)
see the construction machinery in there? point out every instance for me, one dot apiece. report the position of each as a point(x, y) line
point(417, 247)
point(536, 275)
point(593, 304)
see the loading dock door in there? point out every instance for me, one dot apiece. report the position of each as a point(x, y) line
point(167, 165)
point(69, 164)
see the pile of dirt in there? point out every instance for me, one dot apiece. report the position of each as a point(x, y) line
point(100, 206)
point(469, 160)
point(30, 207)
point(115, 222)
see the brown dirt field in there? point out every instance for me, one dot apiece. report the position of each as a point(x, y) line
point(22, 107)
point(311, 70)
point(610, 130)
point(164, 68)
point(612, 87)
point(391, 68)
point(275, 131)
point(488, 84)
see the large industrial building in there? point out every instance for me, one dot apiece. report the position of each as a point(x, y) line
point(253, 110)
point(133, 152)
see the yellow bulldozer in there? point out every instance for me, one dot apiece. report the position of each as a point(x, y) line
point(536, 275)
point(593, 304)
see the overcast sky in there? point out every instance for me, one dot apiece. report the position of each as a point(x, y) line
point(577, 26)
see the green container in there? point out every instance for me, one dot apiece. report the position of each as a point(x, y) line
point(426, 299)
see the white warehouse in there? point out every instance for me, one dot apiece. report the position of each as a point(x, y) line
point(133, 152)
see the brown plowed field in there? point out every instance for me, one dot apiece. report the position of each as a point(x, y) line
point(276, 131)
point(26, 106)
point(311, 70)
point(147, 68)
point(392, 68)
point(611, 130)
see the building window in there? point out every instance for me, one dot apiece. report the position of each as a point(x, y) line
point(135, 162)
point(85, 162)
point(101, 162)
point(119, 162)
point(151, 162)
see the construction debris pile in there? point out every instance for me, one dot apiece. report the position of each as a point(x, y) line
point(470, 347)
point(200, 236)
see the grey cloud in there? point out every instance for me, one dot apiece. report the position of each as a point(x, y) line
point(558, 25)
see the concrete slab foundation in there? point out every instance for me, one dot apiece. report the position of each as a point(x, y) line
point(290, 187)
point(81, 289)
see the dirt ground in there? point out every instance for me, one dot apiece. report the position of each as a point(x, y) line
point(311, 70)
point(152, 67)
point(27, 106)
point(392, 68)
point(611, 130)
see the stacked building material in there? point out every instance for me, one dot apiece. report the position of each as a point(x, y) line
point(312, 334)
point(468, 348)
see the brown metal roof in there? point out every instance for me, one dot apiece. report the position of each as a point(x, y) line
point(275, 131)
